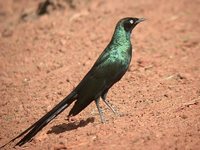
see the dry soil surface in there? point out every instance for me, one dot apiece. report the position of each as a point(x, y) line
point(43, 58)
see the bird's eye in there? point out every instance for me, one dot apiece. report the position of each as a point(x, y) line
point(128, 25)
point(131, 21)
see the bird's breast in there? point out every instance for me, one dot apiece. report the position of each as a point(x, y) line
point(117, 63)
point(121, 58)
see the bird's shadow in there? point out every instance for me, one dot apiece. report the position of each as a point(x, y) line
point(57, 129)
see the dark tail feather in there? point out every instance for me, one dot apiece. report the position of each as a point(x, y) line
point(42, 122)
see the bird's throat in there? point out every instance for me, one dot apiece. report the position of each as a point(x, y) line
point(121, 37)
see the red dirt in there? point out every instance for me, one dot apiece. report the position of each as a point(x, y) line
point(43, 59)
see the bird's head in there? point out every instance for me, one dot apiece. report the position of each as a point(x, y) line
point(129, 23)
point(125, 26)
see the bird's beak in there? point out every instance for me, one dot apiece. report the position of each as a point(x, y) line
point(140, 20)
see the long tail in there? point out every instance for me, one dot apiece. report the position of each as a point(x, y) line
point(42, 122)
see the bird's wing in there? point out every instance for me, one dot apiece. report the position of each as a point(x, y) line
point(104, 56)
point(94, 70)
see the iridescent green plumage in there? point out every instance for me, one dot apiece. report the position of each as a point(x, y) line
point(109, 68)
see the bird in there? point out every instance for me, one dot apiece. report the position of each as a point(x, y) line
point(108, 69)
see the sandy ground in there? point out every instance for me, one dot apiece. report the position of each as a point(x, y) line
point(43, 58)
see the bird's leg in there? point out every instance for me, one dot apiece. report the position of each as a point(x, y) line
point(99, 110)
point(71, 118)
point(108, 104)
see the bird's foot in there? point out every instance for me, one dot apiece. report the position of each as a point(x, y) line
point(71, 119)
point(110, 107)
point(102, 118)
